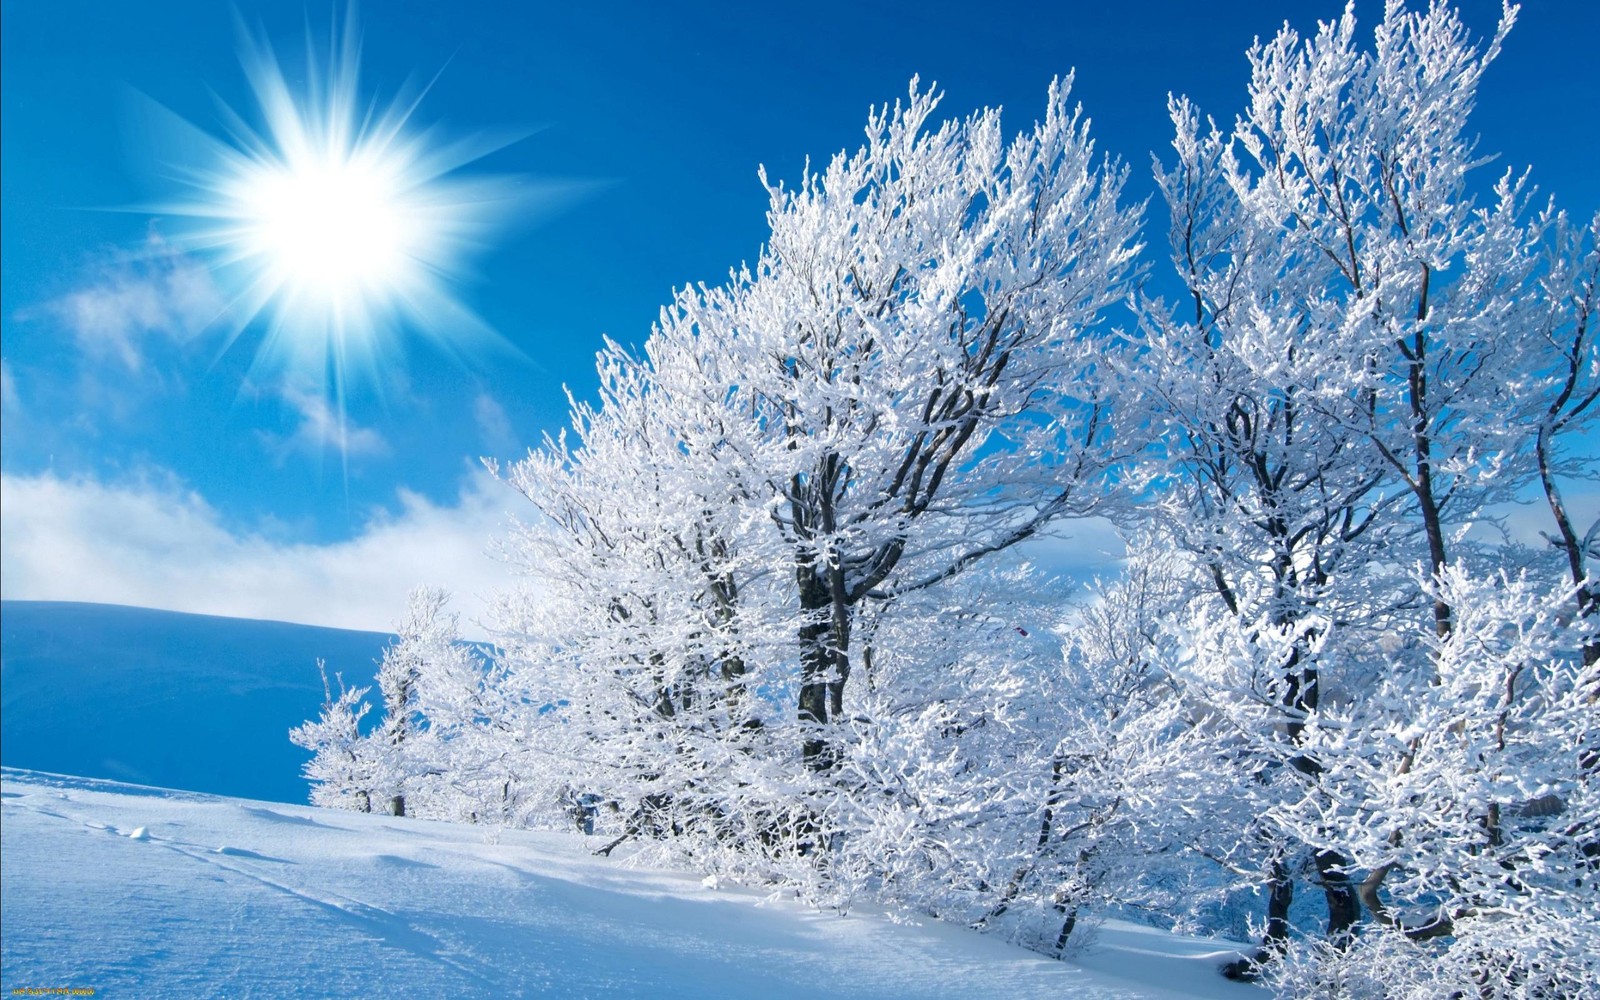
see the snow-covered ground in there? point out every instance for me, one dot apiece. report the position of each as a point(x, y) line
point(136, 891)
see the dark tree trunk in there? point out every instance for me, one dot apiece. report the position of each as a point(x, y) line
point(1433, 524)
point(1422, 431)
point(1280, 894)
point(823, 664)
point(1067, 924)
point(1588, 601)
point(1344, 906)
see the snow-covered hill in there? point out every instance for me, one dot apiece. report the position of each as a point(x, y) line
point(169, 699)
point(135, 891)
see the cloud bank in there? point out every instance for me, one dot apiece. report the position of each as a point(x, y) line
point(157, 544)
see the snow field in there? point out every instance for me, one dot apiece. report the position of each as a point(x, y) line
point(135, 891)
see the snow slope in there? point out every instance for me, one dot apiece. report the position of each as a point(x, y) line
point(137, 891)
point(153, 696)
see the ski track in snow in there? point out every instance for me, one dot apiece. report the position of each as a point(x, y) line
point(139, 892)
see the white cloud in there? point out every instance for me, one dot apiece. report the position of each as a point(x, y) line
point(1075, 552)
point(157, 292)
point(1531, 523)
point(157, 544)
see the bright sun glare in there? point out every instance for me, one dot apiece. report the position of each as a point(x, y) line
point(335, 224)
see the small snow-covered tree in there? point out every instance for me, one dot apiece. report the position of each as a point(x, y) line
point(340, 771)
point(1113, 761)
point(945, 745)
point(436, 695)
point(431, 684)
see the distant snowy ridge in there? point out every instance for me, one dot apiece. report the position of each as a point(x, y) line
point(164, 698)
point(136, 891)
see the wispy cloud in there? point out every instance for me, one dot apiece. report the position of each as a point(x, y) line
point(155, 543)
point(1529, 521)
point(158, 292)
point(10, 402)
point(494, 427)
point(322, 427)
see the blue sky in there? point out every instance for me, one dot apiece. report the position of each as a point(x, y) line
point(144, 464)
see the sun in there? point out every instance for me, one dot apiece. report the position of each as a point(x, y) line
point(334, 228)
point(338, 228)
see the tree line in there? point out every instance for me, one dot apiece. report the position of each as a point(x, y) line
point(776, 626)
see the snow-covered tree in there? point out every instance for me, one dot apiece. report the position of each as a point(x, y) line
point(1366, 359)
point(1423, 301)
point(913, 375)
point(907, 380)
point(1462, 788)
point(432, 699)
